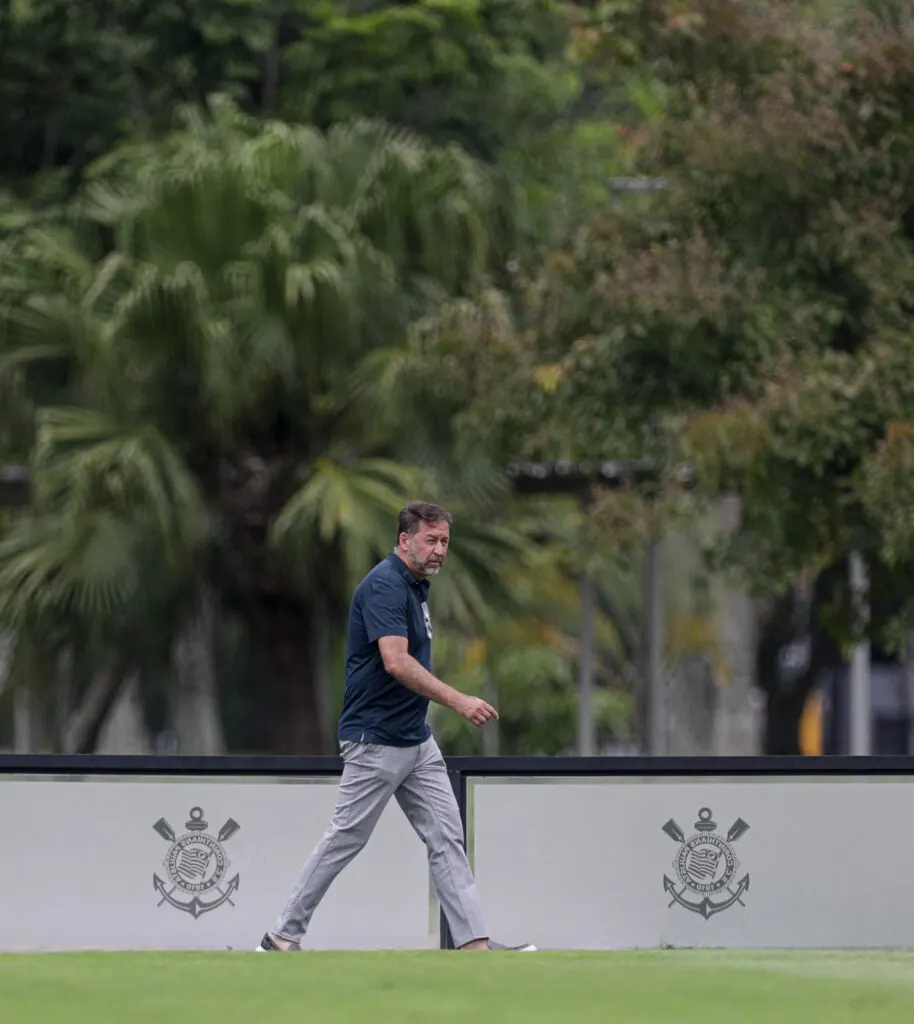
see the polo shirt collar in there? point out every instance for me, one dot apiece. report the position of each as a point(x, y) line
point(404, 570)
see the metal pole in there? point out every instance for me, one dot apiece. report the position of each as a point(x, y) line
point(860, 700)
point(906, 693)
point(653, 645)
point(322, 669)
point(587, 728)
point(490, 735)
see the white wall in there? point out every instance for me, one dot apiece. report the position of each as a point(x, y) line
point(581, 864)
point(78, 860)
point(567, 864)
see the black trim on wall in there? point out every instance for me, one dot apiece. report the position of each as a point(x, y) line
point(272, 765)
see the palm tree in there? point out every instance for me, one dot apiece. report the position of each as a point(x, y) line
point(193, 344)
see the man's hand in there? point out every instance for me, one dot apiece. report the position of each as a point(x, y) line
point(475, 710)
point(404, 668)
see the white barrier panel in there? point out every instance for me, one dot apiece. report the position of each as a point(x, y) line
point(749, 862)
point(194, 863)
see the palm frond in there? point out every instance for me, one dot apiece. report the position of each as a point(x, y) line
point(480, 580)
point(68, 568)
point(255, 266)
point(84, 463)
point(350, 508)
point(23, 355)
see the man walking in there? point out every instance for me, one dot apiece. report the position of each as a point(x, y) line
point(386, 743)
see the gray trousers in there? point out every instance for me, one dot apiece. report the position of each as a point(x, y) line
point(418, 778)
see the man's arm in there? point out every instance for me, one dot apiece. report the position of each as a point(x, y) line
point(406, 670)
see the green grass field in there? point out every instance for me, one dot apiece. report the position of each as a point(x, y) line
point(679, 987)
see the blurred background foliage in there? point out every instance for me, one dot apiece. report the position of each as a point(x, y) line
point(269, 269)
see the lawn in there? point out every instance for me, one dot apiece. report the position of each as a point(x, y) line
point(669, 987)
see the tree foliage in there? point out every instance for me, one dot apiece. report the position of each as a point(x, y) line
point(76, 78)
point(751, 317)
point(197, 379)
point(388, 249)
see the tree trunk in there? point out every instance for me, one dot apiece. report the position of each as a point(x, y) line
point(738, 715)
point(322, 662)
point(656, 678)
point(491, 734)
point(689, 698)
point(124, 729)
point(587, 727)
point(31, 732)
point(794, 620)
point(84, 724)
point(32, 728)
point(195, 710)
point(782, 721)
point(63, 692)
point(293, 700)
point(271, 72)
point(7, 643)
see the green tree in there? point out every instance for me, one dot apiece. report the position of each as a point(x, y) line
point(752, 318)
point(478, 72)
point(198, 344)
point(757, 322)
point(76, 79)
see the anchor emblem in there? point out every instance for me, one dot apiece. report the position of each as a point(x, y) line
point(706, 865)
point(196, 864)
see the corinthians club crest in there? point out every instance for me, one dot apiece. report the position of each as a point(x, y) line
point(706, 866)
point(196, 865)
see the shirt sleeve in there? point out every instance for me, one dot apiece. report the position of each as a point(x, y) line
point(385, 610)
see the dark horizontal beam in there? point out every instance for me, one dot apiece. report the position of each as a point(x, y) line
point(544, 767)
point(555, 477)
point(14, 486)
point(579, 477)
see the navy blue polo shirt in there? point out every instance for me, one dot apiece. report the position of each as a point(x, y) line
point(377, 708)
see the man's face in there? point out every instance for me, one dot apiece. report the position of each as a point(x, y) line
point(426, 550)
